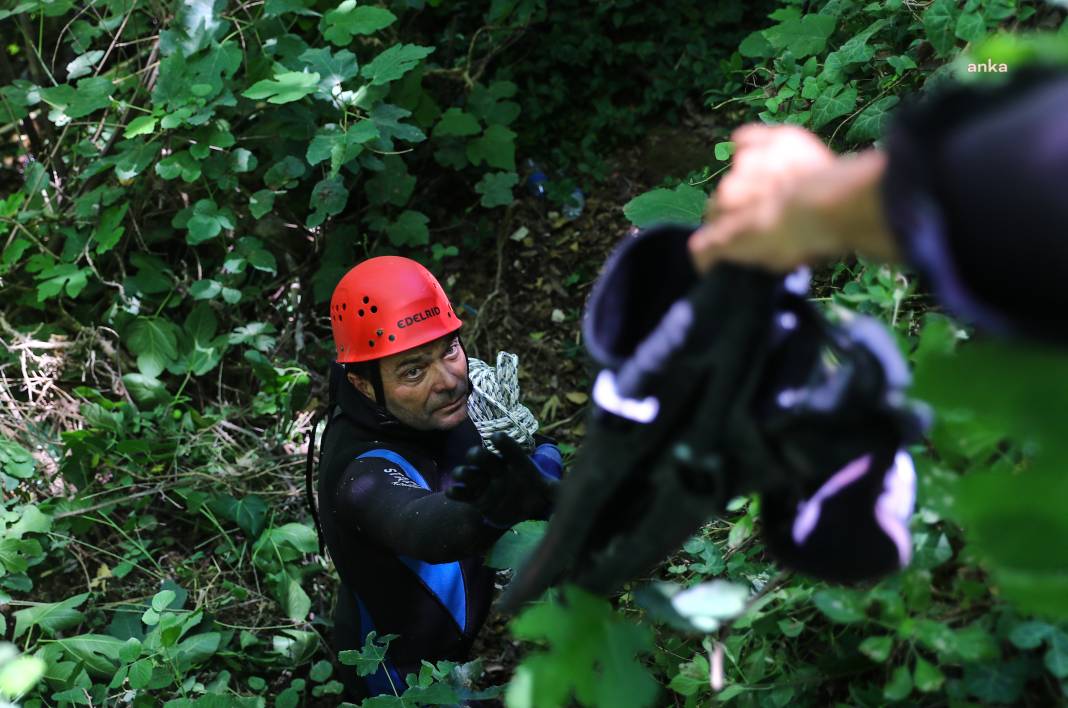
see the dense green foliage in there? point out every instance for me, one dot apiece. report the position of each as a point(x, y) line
point(187, 181)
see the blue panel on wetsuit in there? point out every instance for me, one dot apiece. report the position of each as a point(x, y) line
point(377, 683)
point(547, 459)
point(445, 580)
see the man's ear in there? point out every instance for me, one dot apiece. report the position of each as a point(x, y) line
point(362, 385)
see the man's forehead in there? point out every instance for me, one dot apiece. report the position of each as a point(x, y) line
point(424, 351)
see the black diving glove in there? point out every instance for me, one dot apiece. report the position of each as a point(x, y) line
point(507, 487)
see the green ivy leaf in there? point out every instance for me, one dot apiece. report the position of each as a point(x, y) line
point(205, 289)
point(1056, 658)
point(802, 36)
point(939, 22)
point(284, 88)
point(342, 23)
point(456, 122)
point(682, 205)
point(394, 63)
point(386, 118)
point(692, 677)
point(869, 124)
point(833, 104)
point(970, 27)
point(997, 682)
point(284, 173)
point(409, 229)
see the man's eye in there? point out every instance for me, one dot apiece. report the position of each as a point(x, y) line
point(411, 373)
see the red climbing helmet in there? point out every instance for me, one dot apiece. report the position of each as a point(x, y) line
point(385, 306)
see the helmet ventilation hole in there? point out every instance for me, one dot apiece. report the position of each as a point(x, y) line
point(344, 306)
point(370, 342)
point(366, 299)
point(391, 337)
point(374, 309)
point(360, 313)
point(379, 333)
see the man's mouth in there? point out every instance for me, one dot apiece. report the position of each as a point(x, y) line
point(452, 407)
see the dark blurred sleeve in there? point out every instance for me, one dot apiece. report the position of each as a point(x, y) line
point(976, 193)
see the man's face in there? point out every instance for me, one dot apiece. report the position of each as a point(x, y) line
point(427, 387)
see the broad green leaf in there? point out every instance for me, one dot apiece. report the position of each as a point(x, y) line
point(409, 229)
point(575, 634)
point(284, 88)
point(328, 198)
point(16, 460)
point(367, 659)
point(63, 277)
point(181, 163)
point(162, 600)
point(869, 124)
point(456, 122)
point(899, 686)
point(51, 617)
point(249, 513)
point(109, 229)
point(392, 185)
point(833, 104)
point(682, 205)
point(877, 648)
point(996, 682)
point(1030, 635)
point(284, 173)
point(84, 64)
point(260, 203)
point(204, 289)
point(496, 188)
point(154, 341)
point(142, 125)
point(840, 605)
point(32, 520)
point(333, 69)
point(69, 103)
point(692, 677)
point(495, 147)
point(927, 676)
point(970, 27)
point(1056, 658)
point(387, 118)
point(723, 151)
point(340, 147)
point(140, 674)
point(939, 22)
point(394, 63)
point(321, 671)
point(207, 221)
point(756, 45)
point(515, 545)
point(196, 649)
point(802, 36)
point(295, 601)
point(348, 19)
point(145, 390)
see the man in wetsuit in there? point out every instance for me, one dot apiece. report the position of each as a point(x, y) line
point(407, 553)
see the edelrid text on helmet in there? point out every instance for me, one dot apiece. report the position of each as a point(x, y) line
point(387, 305)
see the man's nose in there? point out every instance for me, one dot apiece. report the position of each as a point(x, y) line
point(446, 379)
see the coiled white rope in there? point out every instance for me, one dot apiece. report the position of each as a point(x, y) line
point(494, 405)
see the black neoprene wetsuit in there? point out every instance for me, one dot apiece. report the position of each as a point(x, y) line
point(408, 556)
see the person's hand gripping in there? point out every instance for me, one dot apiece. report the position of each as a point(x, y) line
point(506, 487)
